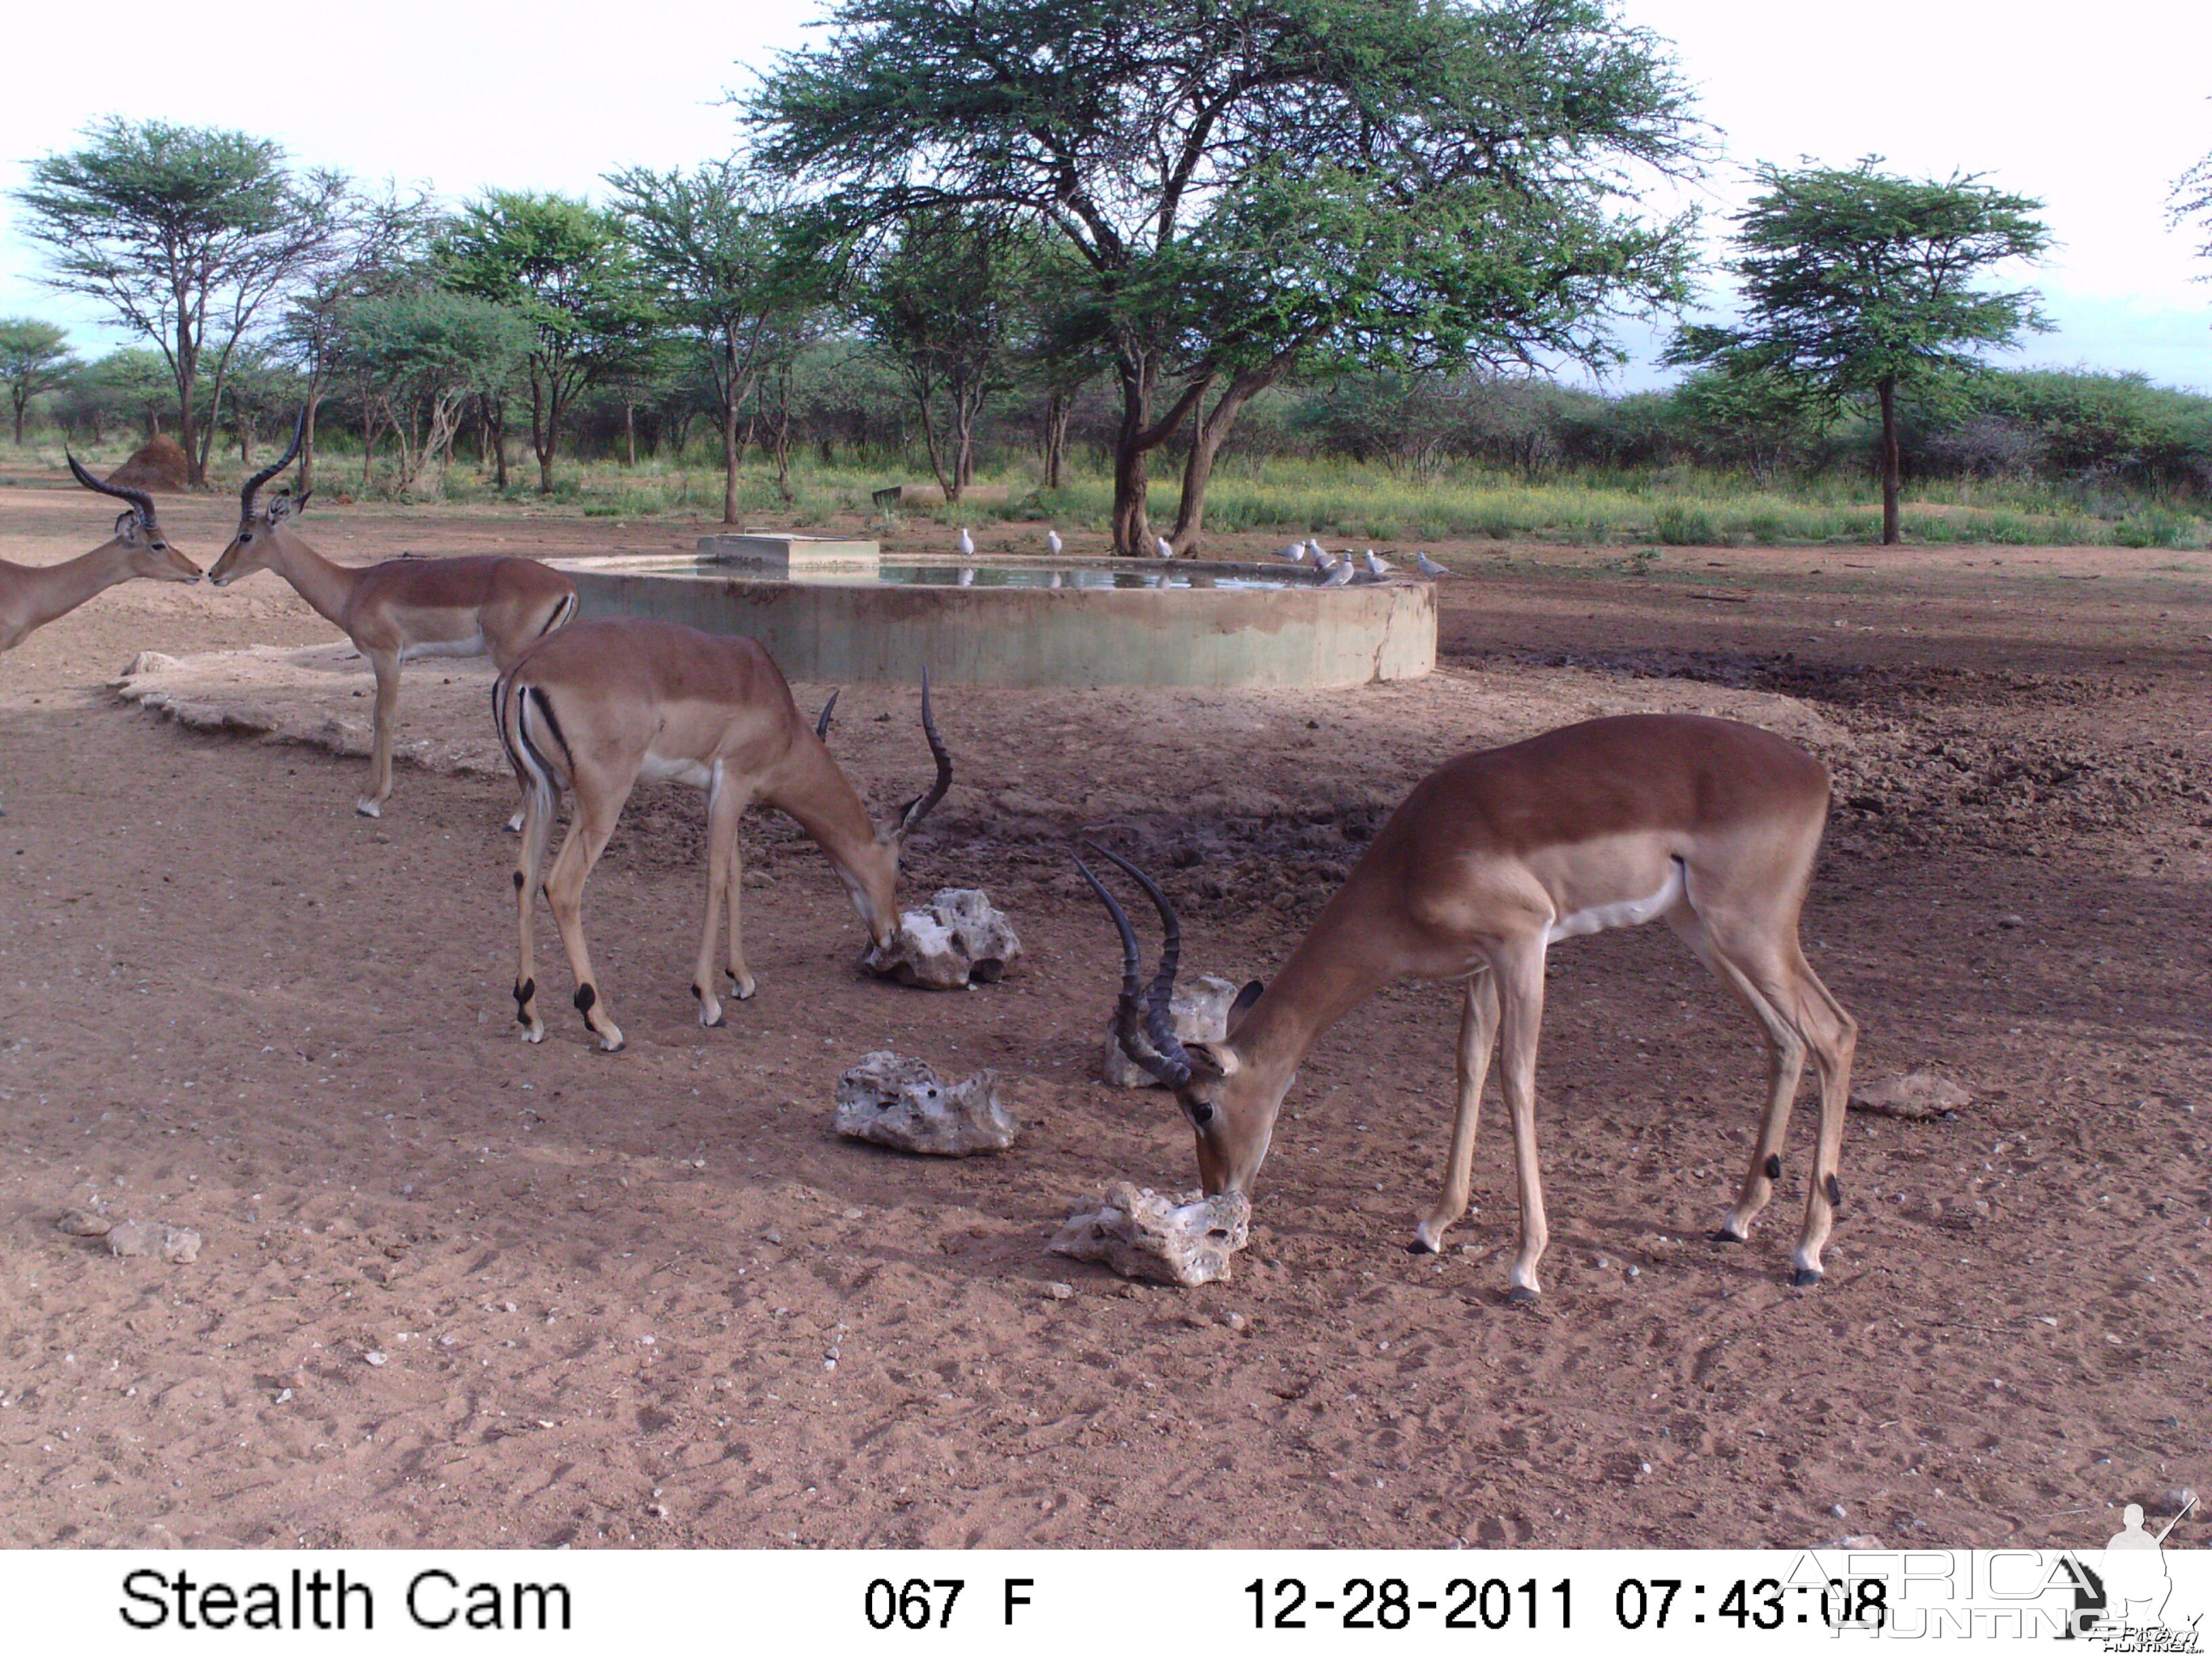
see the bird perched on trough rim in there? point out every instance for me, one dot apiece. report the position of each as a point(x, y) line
point(1162, 546)
point(1295, 553)
point(1052, 543)
point(1427, 566)
point(967, 544)
point(1316, 554)
point(1377, 565)
point(1339, 573)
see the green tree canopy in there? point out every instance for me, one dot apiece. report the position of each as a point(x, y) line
point(563, 264)
point(418, 357)
point(1250, 184)
point(717, 249)
point(185, 233)
point(35, 358)
point(1859, 285)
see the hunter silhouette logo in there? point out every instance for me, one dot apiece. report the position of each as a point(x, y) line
point(2123, 1597)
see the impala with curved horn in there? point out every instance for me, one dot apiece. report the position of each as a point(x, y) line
point(401, 609)
point(602, 704)
point(31, 596)
point(1495, 857)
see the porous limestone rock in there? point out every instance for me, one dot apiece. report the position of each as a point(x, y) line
point(961, 939)
point(1915, 1094)
point(901, 1102)
point(1197, 1011)
point(1142, 1234)
point(82, 1222)
point(176, 1244)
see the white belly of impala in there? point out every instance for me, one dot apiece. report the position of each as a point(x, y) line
point(472, 646)
point(1625, 913)
point(656, 768)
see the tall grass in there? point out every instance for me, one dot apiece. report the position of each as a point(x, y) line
point(1338, 498)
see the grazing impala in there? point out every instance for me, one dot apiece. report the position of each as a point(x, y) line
point(602, 704)
point(1492, 859)
point(401, 609)
point(31, 596)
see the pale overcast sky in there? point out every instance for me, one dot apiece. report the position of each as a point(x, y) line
point(2095, 110)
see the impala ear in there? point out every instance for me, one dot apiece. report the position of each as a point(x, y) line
point(1245, 999)
point(127, 527)
point(282, 508)
point(1212, 1062)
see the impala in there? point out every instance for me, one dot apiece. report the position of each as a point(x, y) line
point(401, 609)
point(602, 704)
point(1492, 859)
point(31, 596)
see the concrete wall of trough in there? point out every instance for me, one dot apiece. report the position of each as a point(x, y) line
point(1192, 637)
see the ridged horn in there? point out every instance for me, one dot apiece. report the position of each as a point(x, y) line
point(137, 498)
point(1159, 1024)
point(1170, 1068)
point(252, 487)
point(822, 725)
point(921, 808)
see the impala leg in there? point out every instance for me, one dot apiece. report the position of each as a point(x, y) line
point(1478, 1032)
point(1785, 1068)
point(386, 665)
point(724, 807)
point(539, 806)
point(1833, 1036)
point(592, 822)
point(1519, 973)
point(742, 985)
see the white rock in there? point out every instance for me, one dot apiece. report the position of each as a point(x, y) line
point(82, 1222)
point(1198, 1013)
point(1142, 1234)
point(1915, 1094)
point(901, 1102)
point(147, 662)
point(179, 1245)
point(961, 939)
point(130, 1238)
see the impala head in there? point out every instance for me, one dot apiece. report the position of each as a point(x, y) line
point(146, 552)
point(1230, 1103)
point(873, 883)
point(261, 526)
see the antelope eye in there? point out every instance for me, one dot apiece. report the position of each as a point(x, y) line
point(1200, 1112)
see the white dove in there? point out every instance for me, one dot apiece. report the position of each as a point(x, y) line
point(1339, 573)
point(1316, 554)
point(1429, 566)
point(1161, 546)
point(1322, 563)
point(1377, 565)
point(967, 544)
point(1295, 552)
point(1052, 543)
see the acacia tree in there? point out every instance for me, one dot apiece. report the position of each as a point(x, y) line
point(34, 357)
point(716, 249)
point(1254, 184)
point(418, 359)
point(2191, 198)
point(563, 264)
point(1858, 284)
point(942, 301)
point(377, 245)
point(185, 233)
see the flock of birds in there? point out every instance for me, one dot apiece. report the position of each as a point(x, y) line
point(1335, 572)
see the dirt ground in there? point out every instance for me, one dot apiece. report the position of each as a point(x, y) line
point(458, 1290)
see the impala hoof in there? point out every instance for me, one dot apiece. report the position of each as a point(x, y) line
point(611, 1045)
point(1725, 1234)
point(533, 1032)
point(368, 808)
point(1521, 1297)
point(514, 824)
point(1805, 1277)
point(1420, 1247)
point(742, 989)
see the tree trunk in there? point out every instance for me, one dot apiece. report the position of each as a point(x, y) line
point(245, 433)
point(1206, 443)
point(1134, 442)
point(544, 420)
point(307, 435)
point(19, 420)
point(629, 432)
point(730, 459)
point(1059, 409)
point(1891, 535)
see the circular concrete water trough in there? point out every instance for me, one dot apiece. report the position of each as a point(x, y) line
point(1040, 622)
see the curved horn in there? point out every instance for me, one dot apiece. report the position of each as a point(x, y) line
point(252, 487)
point(919, 810)
point(1158, 1023)
point(822, 725)
point(137, 498)
point(1168, 1068)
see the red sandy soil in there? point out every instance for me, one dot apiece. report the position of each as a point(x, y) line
point(608, 1290)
